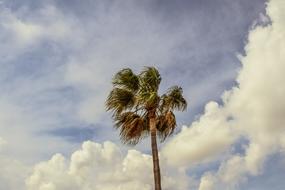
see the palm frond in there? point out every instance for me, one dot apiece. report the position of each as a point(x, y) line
point(132, 127)
point(165, 125)
point(126, 79)
point(134, 100)
point(149, 79)
point(173, 100)
point(150, 100)
point(149, 83)
point(120, 100)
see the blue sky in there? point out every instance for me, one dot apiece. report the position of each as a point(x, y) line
point(58, 59)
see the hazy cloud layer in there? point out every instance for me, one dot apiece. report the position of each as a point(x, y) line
point(58, 57)
point(253, 110)
point(57, 62)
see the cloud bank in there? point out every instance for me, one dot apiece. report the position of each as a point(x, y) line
point(58, 57)
point(254, 110)
point(101, 166)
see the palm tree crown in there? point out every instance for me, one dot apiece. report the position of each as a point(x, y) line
point(134, 99)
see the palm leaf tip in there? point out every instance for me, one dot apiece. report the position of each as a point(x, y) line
point(174, 100)
point(132, 127)
point(150, 79)
point(119, 100)
point(126, 79)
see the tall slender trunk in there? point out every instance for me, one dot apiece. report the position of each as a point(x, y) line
point(155, 159)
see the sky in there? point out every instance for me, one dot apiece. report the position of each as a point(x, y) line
point(57, 62)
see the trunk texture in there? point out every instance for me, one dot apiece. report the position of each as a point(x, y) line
point(155, 159)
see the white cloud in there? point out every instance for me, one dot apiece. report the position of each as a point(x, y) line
point(204, 141)
point(31, 79)
point(255, 110)
point(46, 23)
point(24, 30)
point(46, 49)
point(102, 166)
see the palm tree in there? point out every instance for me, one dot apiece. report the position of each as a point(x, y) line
point(138, 110)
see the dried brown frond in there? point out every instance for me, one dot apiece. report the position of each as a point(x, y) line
point(166, 124)
point(132, 127)
point(173, 100)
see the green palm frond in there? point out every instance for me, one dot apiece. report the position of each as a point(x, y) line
point(126, 79)
point(135, 99)
point(150, 100)
point(120, 100)
point(132, 127)
point(149, 79)
point(173, 100)
point(165, 125)
point(149, 84)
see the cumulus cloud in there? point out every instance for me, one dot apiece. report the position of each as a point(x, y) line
point(58, 57)
point(204, 141)
point(102, 166)
point(254, 109)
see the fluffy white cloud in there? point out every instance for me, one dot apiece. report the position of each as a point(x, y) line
point(102, 166)
point(253, 110)
point(204, 141)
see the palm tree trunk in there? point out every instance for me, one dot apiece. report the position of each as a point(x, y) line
point(155, 159)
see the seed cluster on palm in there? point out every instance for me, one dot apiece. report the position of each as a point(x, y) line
point(139, 111)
